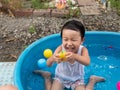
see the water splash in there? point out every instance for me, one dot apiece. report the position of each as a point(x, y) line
point(111, 66)
point(102, 57)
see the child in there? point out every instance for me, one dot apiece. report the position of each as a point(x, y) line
point(70, 74)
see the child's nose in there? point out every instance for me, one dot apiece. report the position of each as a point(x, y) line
point(69, 43)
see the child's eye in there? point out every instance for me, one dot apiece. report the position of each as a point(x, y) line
point(74, 40)
point(65, 39)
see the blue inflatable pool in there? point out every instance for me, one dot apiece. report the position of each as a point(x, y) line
point(104, 50)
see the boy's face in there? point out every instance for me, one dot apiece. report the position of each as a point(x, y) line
point(71, 40)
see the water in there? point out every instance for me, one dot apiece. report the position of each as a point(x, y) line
point(105, 62)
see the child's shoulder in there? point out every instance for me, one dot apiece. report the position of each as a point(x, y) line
point(83, 48)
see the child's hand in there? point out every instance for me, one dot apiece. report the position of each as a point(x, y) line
point(63, 57)
point(66, 56)
point(70, 56)
point(56, 58)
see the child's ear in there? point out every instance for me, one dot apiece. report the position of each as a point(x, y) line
point(82, 40)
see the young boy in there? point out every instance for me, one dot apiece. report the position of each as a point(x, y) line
point(70, 74)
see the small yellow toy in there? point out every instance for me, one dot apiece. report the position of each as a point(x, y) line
point(62, 56)
point(47, 53)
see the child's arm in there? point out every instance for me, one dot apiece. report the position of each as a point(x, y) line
point(83, 58)
point(55, 57)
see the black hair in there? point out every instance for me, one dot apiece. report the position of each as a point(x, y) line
point(74, 25)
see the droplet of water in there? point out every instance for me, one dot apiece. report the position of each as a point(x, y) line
point(102, 57)
point(110, 66)
point(29, 88)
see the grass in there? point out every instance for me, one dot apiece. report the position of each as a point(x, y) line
point(116, 4)
point(12, 4)
point(40, 5)
point(32, 29)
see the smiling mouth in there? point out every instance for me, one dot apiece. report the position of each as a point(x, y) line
point(70, 49)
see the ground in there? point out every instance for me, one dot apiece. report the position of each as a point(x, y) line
point(16, 35)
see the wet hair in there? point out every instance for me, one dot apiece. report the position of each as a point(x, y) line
point(74, 25)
